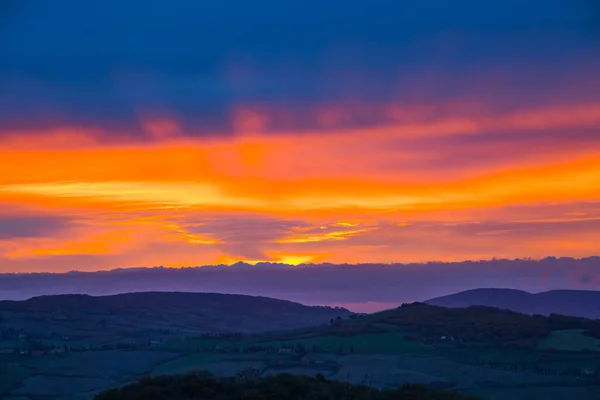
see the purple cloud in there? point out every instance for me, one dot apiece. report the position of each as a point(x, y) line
point(31, 226)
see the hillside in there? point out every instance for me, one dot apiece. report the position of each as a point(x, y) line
point(475, 326)
point(65, 346)
point(186, 312)
point(578, 303)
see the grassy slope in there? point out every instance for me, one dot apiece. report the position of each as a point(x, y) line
point(375, 343)
point(538, 392)
point(76, 372)
point(11, 378)
point(569, 340)
point(414, 357)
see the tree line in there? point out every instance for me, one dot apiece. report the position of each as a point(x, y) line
point(279, 387)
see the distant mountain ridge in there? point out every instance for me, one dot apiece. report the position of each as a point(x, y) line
point(577, 303)
point(200, 312)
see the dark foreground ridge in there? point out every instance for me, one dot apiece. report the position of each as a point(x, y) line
point(280, 387)
point(577, 303)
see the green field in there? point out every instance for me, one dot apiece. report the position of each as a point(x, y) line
point(15, 398)
point(491, 355)
point(184, 364)
point(525, 360)
point(11, 377)
point(73, 373)
point(102, 364)
point(11, 344)
point(569, 340)
point(537, 392)
point(193, 345)
point(375, 343)
point(40, 385)
point(217, 364)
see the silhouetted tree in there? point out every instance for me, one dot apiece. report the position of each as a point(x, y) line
point(284, 386)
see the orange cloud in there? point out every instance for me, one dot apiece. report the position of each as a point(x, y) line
point(116, 241)
point(316, 237)
point(360, 183)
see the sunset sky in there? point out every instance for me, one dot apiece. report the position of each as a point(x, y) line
point(176, 133)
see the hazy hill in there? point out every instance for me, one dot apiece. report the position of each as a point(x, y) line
point(358, 287)
point(578, 303)
point(205, 312)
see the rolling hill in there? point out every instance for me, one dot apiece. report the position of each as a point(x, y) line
point(187, 312)
point(577, 303)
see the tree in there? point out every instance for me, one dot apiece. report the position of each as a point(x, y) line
point(283, 386)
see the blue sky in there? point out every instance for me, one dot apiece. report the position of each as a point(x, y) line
point(99, 61)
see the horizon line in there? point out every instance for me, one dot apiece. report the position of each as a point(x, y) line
point(297, 266)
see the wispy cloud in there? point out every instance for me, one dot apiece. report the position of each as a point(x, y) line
point(324, 233)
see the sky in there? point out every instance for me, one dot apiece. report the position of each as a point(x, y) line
point(188, 132)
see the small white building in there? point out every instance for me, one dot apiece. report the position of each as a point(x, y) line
point(588, 372)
